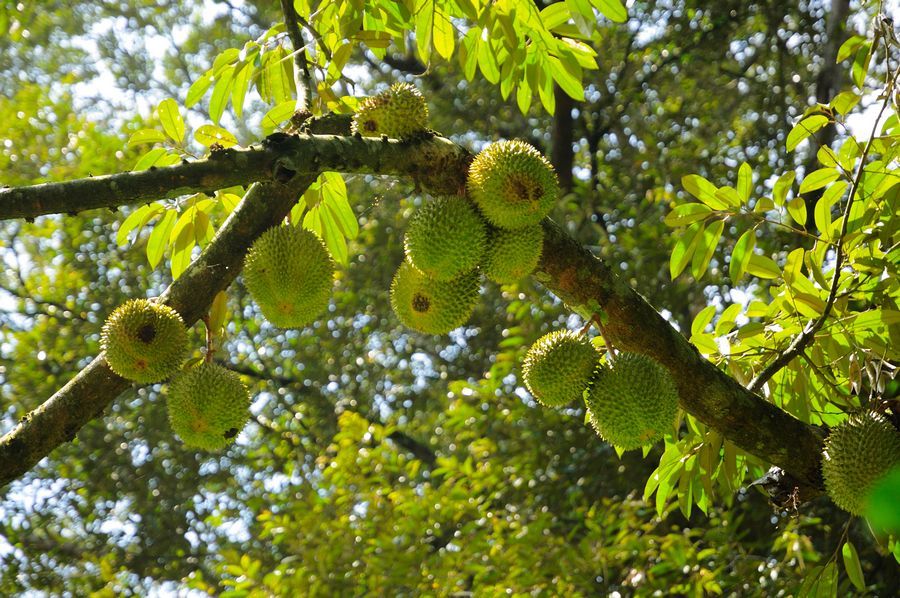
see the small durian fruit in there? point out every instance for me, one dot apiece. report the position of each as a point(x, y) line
point(446, 237)
point(634, 402)
point(512, 184)
point(144, 341)
point(290, 275)
point(512, 254)
point(399, 112)
point(208, 406)
point(558, 367)
point(433, 306)
point(857, 454)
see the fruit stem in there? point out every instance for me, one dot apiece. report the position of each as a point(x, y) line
point(210, 341)
point(610, 348)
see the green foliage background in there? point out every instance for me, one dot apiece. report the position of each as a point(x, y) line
point(379, 461)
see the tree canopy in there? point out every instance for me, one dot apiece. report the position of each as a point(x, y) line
point(728, 207)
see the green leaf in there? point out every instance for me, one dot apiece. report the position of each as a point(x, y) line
point(703, 190)
point(818, 179)
point(797, 209)
point(702, 319)
point(242, 76)
point(687, 213)
point(487, 61)
point(745, 182)
point(684, 249)
point(844, 102)
point(852, 566)
point(555, 14)
point(146, 136)
point(218, 313)
point(277, 115)
point(612, 10)
point(182, 246)
point(198, 88)
point(150, 158)
point(424, 12)
point(804, 129)
point(881, 503)
point(568, 82)
point(207, 135)
point(782, 186)
point(705, 343)
point(706, 248)
point(171, 120)
point(131, 223)
point(729, 195)
point(849, 47)
point(822, 212)
point(740, 255)
point(873, 319)
point(442, 33)
point(861, 64)
point(220, 95)
point(159, 238)
point(763, 267)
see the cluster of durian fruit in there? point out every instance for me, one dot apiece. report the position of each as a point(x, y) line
point(492, 230)
point(147, 342)
point(631, 400)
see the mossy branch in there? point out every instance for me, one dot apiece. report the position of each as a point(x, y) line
point(567, 269)
point(436, 163)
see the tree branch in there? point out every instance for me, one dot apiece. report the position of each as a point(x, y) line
point(435, 163)
point(567, 269)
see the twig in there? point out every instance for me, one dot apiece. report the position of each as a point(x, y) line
point(302, 77)
point(809, 332)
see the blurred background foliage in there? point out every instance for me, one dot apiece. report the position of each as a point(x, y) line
point(381, 461)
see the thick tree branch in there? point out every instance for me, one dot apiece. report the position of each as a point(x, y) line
point(567, 269)
point(434, 163)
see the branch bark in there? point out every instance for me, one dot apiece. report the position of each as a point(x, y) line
point(567, 269)
point(435, 163)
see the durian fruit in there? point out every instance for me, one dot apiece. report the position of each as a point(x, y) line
point(432, 306)
point(290, 275)
point(445, 238)
point(857, 454)
point(144, 341)
point(513, 254)
point(634, 402)
point(558, 367)
point(512, 184)
point(398, 112)
point(208, 406)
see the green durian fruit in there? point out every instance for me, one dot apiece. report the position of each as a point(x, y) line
point(634, 402)
point(512, 254)
point(857, 454)
point(399, 112)
point(558, 367)
point(208, 406)
point(512, 184)
point(144, 341)
point(290, 275)
point(433, 306)
point(446, 237)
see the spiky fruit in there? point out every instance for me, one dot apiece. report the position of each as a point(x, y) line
point(857, 454)
point(208, 406)
point(432, 306)
point(558, 367)
point(446, 237)
point(513, 184)
point(144, 341)
point(513, 254)
point(634, 402)
point(290, 275)
point(398, 112)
